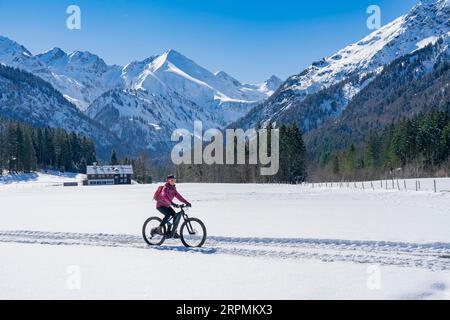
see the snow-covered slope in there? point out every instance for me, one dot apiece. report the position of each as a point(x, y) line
point(146, 121)
point(172, 71)
point(171, 91)
point(80, 76)
point(424, 24)
point(16, 55)
point(30, 99)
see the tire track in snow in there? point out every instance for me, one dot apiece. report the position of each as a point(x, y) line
point(434, 256)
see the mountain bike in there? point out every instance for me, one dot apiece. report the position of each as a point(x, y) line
point(192, 231)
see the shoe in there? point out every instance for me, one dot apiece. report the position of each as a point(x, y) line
point(157, 231)
point(168, 235)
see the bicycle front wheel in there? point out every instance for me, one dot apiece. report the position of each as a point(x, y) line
point(150, 236)
point(193, 233)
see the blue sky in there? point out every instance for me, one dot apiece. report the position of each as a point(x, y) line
point(250, 40)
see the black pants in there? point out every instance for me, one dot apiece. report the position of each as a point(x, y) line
point(168, 213)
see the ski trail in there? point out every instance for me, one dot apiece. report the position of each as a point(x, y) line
point(433, 256)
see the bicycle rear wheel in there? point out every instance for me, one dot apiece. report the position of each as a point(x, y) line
point(150, 237)
point(193, 233)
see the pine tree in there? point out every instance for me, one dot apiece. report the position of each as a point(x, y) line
point(28, 156)
point(83, 166)
point(10, 147)
point(445, 143)
point(75, 149)
point(126, 161)
point(21, 151)
point(372, 151)
point(297, 155)
point(88, 151)
point(49, 149)
point(113, 160)
point(350, 160)
point(2, 148)
point(336, 166)
point(283, 172)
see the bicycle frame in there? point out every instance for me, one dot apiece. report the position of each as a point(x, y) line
point(185, 217)
point(183, 214)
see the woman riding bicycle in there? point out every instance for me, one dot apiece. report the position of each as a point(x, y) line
point(164, 205)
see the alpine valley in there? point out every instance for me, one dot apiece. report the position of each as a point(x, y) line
point(399, 70)
point(140, 104)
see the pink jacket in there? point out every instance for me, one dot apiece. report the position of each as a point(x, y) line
point(168, 193)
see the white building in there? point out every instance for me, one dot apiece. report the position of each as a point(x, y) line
point(109, 175)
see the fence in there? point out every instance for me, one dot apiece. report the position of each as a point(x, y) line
point(431, 184)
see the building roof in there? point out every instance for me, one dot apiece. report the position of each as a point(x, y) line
point(119, 169)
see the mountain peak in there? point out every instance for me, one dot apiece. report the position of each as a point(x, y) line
point(173, 54)
point(10, 46)
point(177, 59)
point(273, 78)
point(87, 60)
point(271, 85)
point(52, 55)
point(55, 50)
point(83, 55)
point(225, 76)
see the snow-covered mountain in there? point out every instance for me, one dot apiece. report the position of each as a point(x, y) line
point(82, 76)
point(15, 55)
point(165, 91)
point(411, 85)
point(79, 76)
point(170, 91)
point(172, 71)
point(358, 63)
point(28, 98)
point(146, 121)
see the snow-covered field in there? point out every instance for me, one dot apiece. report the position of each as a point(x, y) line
point(38, 179)
point(265, 241)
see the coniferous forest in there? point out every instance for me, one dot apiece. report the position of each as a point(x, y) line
point(292, 164)
point(24, 148)
point(414, 147)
